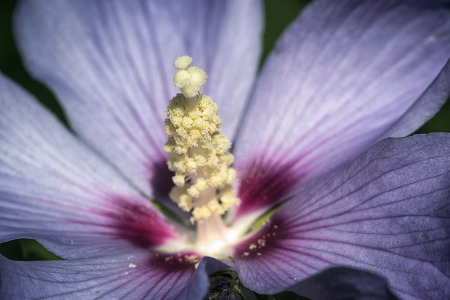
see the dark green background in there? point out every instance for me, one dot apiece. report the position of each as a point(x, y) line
point(279, 13)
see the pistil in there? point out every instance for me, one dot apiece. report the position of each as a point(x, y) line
point(198, 152)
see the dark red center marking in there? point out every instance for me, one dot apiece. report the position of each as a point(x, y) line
point(138, 223)
point(264, 184)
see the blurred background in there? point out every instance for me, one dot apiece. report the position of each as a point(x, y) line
point(279, 13)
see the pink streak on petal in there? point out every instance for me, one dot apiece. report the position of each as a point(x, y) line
point(137, 222)
point(264, 183)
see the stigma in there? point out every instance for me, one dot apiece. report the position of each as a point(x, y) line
point(198, 150)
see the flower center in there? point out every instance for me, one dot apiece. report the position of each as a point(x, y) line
point(199, 155)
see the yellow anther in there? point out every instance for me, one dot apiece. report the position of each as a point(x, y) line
point(231, 176)
point(198, 151)
point(185, 202)
point(200, 213)
point(229, 199)
point(178, 179)
point(215, 207)
point(193, 192)
point(200, 184)
point(200, 160)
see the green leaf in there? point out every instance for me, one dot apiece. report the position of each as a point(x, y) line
point(26, 250)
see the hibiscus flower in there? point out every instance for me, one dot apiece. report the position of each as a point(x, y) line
point(323, 175)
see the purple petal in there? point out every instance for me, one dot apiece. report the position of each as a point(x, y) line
point(425, 107)
point(344, 283)
point(198, 286)
point(111, 65)
point(386, 212)
point(56, 190)
point(345, 75)
point(133, 275)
